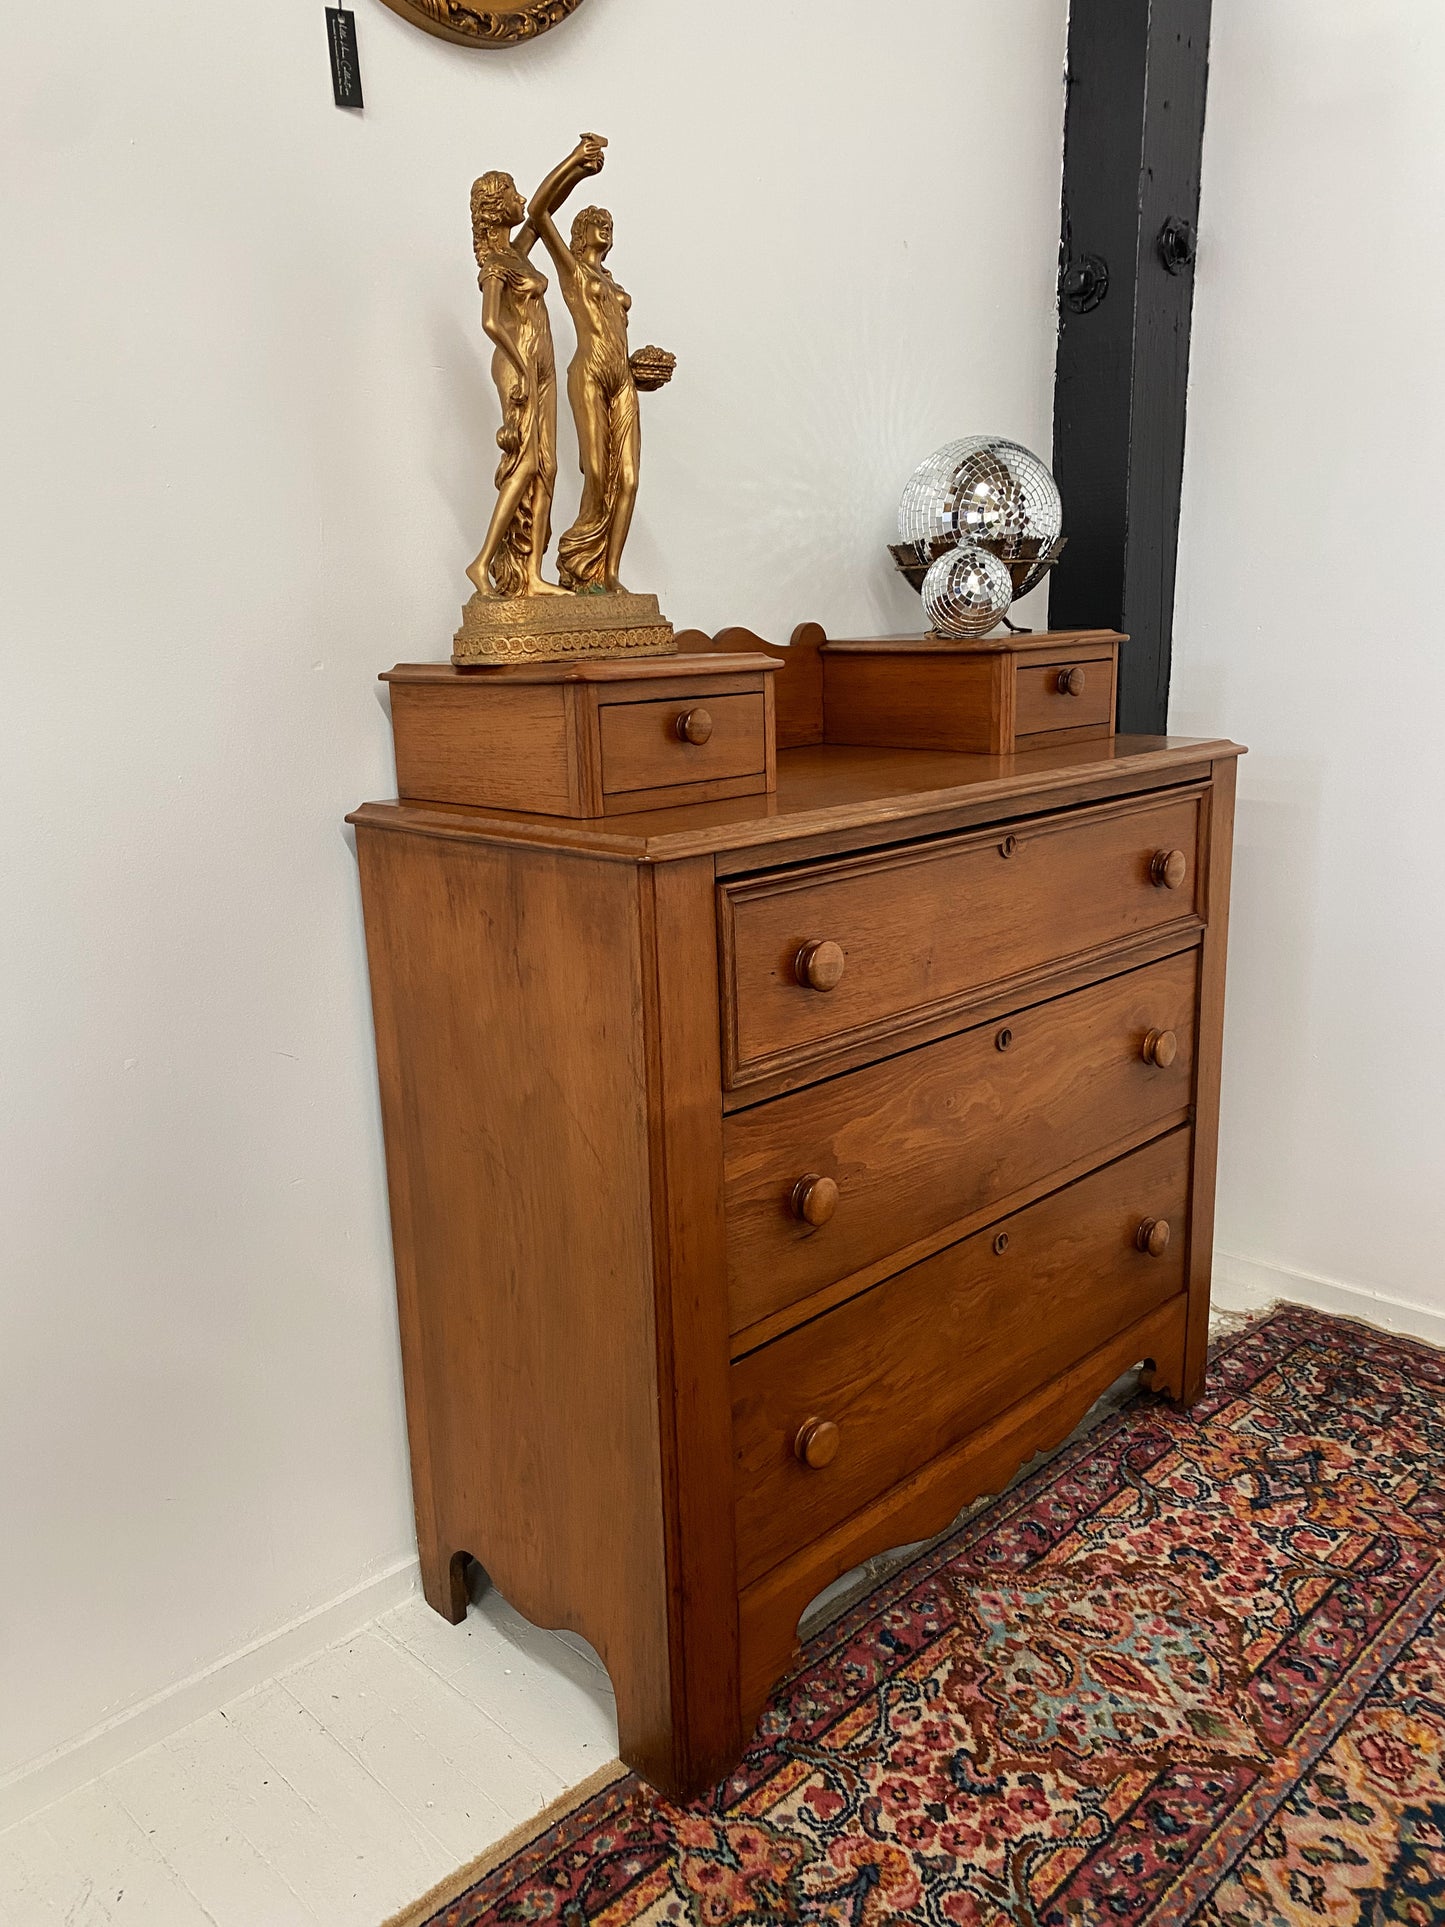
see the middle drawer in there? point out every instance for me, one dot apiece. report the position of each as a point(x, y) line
point(901, 1151)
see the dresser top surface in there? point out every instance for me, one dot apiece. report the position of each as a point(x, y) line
point(832, 789)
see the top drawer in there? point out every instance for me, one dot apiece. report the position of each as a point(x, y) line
point(1051, 696)
point(650, 746)
point(828, 957)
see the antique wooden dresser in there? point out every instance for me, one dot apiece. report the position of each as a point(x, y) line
point(772, 1174)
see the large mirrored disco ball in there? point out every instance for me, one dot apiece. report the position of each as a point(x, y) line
point(951, 495)
point(966, 592)
point(988, 490)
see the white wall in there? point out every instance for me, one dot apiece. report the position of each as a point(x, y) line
point(1308, 626)
point(248, 438)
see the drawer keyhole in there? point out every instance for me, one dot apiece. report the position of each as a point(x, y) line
point(1008, 846)
point(1004, 1039)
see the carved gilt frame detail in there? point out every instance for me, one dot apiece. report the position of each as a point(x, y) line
point(471, 26)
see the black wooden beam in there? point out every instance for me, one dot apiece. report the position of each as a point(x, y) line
point(1133, 132)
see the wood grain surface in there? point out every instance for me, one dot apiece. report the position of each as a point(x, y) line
point(926, 927)
point(520, 1170)
point(798, 686)
point(564, 739)
point(1074, 693)
point(929, 701)
point(703, 1735)
point(846, 797)
point(768, 1172)
point(909, 1369)
point(642, 747)
point(1218, 846)
point(925, 1503)
point(924, 1139)
point(512, 752)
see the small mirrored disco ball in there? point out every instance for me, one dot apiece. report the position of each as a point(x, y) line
point(987, 490)
point(966, 592)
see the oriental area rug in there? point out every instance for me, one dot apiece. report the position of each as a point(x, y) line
point(1190, 1671)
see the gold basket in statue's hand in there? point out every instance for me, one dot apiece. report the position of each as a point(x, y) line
point(651, 368)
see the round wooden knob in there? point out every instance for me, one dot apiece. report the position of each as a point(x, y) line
point(1168, 869)
point(820, 964)
point(1153, 1236)
point(1161, 1047)
point(817, 1442)
point(694, 726)
point(1071, 681)
point(815, 1199)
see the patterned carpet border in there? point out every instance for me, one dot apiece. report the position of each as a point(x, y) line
point(1189, 1670)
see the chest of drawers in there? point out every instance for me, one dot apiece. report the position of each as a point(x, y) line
point(772, 1175)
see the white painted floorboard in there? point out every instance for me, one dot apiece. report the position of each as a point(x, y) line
point(332, 1796)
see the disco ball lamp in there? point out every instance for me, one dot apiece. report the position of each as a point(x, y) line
point(966, 592)
point(987, 491)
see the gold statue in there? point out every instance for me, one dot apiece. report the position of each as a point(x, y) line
point(516, 615)
point(514, 315)
point(602, 385)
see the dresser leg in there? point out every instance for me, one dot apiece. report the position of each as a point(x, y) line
point(1167, 1372)
point(1192, 1389)
point(444, 1583)
point(657, 1745)
point(1181, 1393)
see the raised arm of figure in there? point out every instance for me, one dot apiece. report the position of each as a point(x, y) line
point(586, 158)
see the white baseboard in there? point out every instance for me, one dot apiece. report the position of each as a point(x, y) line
point(40, 1783)
point(1249, 1284)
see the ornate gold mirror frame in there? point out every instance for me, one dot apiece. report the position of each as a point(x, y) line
point(484, 26)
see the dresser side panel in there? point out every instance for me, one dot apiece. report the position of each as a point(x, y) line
point(510, 1019)
point(492, 747)
point(1218, 859)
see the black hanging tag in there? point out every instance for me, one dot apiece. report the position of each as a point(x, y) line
point(345, 63)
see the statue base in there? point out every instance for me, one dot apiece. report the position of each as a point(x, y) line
point(501, 630)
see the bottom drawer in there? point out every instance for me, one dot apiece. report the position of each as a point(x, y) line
point(878, 1387)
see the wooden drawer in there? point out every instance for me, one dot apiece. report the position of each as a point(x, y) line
point(908, 1369)
point(823, 959)
point(1068, 694)
point(595, 737)
point(647, 745)
point(988, 697)
point(911, 1146)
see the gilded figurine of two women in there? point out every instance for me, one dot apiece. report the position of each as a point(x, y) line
point(602, 384)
